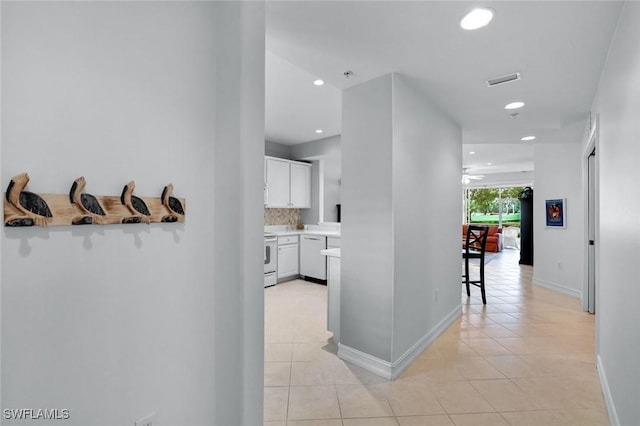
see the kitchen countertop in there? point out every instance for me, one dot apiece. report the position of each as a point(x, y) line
point(315, 230)
point(332, 252)
point(306, 232)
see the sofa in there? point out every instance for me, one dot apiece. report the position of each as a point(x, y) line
point(494, 239)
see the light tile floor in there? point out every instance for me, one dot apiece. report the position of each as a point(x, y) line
point(527, 358)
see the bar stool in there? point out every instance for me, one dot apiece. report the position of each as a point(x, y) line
point(474, 248)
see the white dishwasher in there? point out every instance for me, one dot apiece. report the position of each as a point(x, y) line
point(313, 264)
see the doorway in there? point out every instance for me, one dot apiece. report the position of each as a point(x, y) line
point(591, 232)
point(498, 206)
point(591, 194)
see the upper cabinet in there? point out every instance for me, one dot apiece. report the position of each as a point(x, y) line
point(300, 189)
point(277, 180)
point(287, 184)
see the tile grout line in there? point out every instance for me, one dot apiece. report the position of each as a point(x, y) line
point(286, 417)
point(532, 309)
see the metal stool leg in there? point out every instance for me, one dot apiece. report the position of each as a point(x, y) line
point(466, 275)
point(484, 297)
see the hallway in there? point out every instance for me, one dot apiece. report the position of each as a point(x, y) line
point(527, 358)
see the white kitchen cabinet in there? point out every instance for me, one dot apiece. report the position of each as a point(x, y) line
point(288, 256)
point(277, 182)
point(300, 195)
point(313, 264)
point(287, 184)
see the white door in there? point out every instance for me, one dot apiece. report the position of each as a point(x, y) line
point(277, 183)
point(300, 185)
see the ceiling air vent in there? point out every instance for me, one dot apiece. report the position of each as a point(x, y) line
point(504, 79)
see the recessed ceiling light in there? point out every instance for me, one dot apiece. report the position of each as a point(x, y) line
point(488, 164)
point(472, 152)
point(477, 18)
point(528, 138)
point(318, 131)
point(514, 105)
point(318, 82)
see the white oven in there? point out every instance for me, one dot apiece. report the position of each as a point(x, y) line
point(270, 259)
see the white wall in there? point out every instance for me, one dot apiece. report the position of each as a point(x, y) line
point(400, 172)
point(1, 183)
point(559, 253)
point(332, 176)
point(274, 149)
point(238, 214)
point(618, 106)
point(328, 152)
point(367, 231)
point(427, 156)
point(316, 149)
point(312, 214)
point(115, 322)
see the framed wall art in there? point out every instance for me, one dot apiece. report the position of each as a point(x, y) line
point(556, 213)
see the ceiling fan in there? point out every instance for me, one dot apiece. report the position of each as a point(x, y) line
point(467, 178)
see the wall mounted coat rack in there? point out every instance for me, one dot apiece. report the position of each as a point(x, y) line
point(25, 208)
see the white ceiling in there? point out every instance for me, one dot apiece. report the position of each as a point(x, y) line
point(559, 47)
point(295, 108)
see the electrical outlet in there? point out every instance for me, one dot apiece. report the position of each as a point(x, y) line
point(435, 295)
point(149, 420)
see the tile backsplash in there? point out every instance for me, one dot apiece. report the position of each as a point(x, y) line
point(281, 216)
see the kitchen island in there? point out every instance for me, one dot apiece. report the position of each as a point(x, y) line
point(333, 292)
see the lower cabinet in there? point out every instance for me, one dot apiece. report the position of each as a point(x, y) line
point(288, 263)
point(300, 255)
point(312, 263)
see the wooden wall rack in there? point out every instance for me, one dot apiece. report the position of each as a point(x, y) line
point(25, 208)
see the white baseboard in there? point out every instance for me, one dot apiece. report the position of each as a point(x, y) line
point(608, 398)
point(425, 341)
point(370, 363)
point(557, 287)
point(391, 370)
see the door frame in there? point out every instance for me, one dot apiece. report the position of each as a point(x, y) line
point(591, 146)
